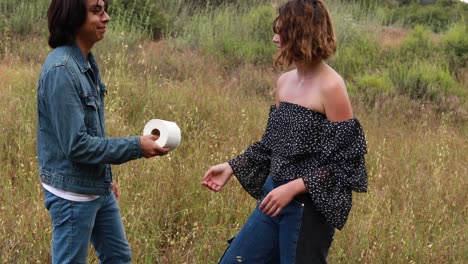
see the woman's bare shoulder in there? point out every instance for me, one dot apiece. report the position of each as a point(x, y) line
point(286, 76)
point(332, 79)
point(332, 82)
point(335, 96)
point(282, 82)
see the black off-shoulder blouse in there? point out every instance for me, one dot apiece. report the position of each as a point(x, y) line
point(302, 143)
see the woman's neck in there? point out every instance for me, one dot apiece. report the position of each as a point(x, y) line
point(307, 71)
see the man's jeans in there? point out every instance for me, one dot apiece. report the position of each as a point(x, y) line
point(298, 234)
point(75, 224)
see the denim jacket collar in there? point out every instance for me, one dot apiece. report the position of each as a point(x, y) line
point(80, 59)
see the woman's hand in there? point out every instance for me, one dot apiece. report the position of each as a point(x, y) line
point(217, 176)
point(281, 196)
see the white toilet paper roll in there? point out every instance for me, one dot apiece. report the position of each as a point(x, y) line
point(169, 133)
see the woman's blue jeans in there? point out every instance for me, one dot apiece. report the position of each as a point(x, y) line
point(76, 224)
point(299, 234)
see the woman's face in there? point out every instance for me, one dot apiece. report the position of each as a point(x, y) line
point(277, 40)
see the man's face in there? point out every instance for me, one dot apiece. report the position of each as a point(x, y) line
point(94, 27)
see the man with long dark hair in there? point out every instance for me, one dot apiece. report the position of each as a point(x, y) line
point(74, 153)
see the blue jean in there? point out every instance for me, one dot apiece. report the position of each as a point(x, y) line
point(76, 224)
point(299, 234)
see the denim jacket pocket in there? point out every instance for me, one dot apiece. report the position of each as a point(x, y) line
point(92, 115)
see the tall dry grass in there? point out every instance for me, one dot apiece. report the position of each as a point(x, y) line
point(414, 212)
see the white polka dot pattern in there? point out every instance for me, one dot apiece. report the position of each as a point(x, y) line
point(301, 143)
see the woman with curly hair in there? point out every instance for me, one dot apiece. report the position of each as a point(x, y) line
point(311, 156)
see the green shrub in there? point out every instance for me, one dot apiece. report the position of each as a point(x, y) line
point(144, 15)
point(260, 21)
point(20, 18)
point(231, 35)
point(438, 16)
point(356, 57)
point(371, 87)
point(433, 16)
point(456, 47)
point(372, 3)
point(258, 24)
point(203, 4)
point(417, 44)
point(164, 18)
point(156, 22)
point(423, 79)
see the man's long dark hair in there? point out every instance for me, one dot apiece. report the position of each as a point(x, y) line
point(64, 19)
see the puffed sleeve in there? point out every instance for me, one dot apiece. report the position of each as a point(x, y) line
point(342, 170)
point(252, 167)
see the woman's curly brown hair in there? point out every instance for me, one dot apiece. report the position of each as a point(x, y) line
point(306, 32)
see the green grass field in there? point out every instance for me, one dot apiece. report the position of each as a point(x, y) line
point(416, 207)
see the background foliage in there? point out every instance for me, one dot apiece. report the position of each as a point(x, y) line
point(207, 66)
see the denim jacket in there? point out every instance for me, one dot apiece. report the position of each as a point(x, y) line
point(72, 149)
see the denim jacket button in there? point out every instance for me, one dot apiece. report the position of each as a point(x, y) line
point(42, 177)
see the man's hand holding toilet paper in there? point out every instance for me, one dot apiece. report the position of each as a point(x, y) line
point(159, 136)
point(149, 148)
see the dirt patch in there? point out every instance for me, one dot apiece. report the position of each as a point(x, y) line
point(392, 37)
point(154, 48)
